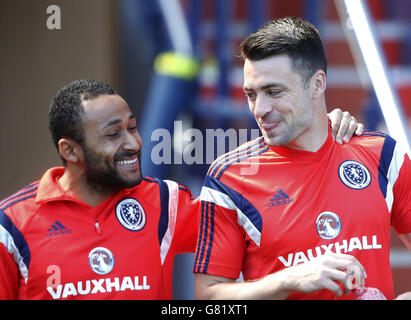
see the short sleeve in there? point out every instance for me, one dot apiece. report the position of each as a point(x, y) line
point(220, 246)
point(177, 228)
point(401, 210)
point(9, 270)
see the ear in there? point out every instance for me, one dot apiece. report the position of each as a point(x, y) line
point(69, 150)
point(318, 83)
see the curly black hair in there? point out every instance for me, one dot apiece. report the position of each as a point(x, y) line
point(66, 109)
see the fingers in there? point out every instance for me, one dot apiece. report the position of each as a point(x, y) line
point(354, 270)
point(335, 118)
point(352, 127)
point(337, 281)
point(346, 129)
point(344, 269)
point(352, 266)
point(360, 129)
point(333, 271)
point(344, 125)
point(333, 287)
point(357, 276)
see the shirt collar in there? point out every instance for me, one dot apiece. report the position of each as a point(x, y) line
point(303, 155)
point(49, 188)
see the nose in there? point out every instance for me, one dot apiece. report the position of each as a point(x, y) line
point(133, 142)
point(262, 107)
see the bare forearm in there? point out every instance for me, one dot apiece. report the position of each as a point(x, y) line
point(273, 287)
point(324, 272)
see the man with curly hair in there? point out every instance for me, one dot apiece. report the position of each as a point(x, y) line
point(95, 228)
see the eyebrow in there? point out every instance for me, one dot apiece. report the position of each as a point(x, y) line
point(115, 121)
point(267, 86)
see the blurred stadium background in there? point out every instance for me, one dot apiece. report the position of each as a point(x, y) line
point(174, 67)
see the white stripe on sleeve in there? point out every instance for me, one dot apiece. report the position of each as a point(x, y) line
point(172, 218)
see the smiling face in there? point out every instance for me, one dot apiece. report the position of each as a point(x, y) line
point(112, 144)
point(280, 102)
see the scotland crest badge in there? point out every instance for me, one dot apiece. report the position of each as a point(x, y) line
point(354, 174)
point(130, 214)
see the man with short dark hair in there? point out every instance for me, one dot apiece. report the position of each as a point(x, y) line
point(313, 221)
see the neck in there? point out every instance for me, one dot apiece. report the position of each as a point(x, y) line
point(74, 184)
point(313, 138)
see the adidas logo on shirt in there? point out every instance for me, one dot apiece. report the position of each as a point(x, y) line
point(280, 198)
point(57, 229)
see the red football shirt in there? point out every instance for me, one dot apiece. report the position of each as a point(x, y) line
point(268, 208)
point(55, 247)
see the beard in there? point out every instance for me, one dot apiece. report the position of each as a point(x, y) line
point(291, 129)
point(102, 175)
